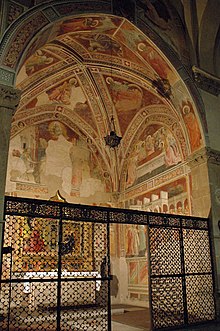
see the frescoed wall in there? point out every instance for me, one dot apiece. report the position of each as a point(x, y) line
point(49, 156)
point(156, 150)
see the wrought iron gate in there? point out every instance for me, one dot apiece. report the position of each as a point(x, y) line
point(56, 275)
point(182, 289)
point(55, 271)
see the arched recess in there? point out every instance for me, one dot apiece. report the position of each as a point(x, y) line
point(78, 71)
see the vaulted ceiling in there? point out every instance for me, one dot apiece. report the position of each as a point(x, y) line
point(92, 68)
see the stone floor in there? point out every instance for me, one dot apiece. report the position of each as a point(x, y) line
point(122, 327)
point(207, 327)
point(120, 324)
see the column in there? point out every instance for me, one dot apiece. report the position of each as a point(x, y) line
point(9, 99)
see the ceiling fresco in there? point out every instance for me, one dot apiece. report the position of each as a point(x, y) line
point(90, 69)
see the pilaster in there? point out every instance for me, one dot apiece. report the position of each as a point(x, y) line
point(9, 99)
point(214, 180)
point(200, 191)
point(205, 171)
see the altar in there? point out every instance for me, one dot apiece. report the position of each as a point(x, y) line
point(77, 288)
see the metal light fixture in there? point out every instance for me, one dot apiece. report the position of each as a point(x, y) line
point(112, 140)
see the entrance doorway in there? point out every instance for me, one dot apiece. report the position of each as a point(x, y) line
point(130, 276)
point(66, 267)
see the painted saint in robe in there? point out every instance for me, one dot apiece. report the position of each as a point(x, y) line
point(192, 126)
point(133, 241)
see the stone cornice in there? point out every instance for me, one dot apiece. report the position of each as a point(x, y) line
point(213, 156)
point(204, 155)
point(206, 81)
point(9, 97)
point(197, 158)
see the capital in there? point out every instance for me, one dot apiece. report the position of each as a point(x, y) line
point(206, 81)
point(9, 97)
point(213, 156)
point(204, 155)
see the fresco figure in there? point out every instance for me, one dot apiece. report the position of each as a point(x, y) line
point(142, 240)
point(62, 93)
point(36, 243)
point(155, 60)
point(17, 164)
point(33, 241)
point(78, 24)
point(58, 156)
point(132, 248)
point(159, 15)
point(100, 43)
point(22, 165)
point(165, 142)
point(37, 61)
point(149, 145)
point(87, 24)
point(131, 170)
point(192, 126)
point(172, 155)
point(126, 96)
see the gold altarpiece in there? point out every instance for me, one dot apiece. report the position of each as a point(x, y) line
point(37, 245)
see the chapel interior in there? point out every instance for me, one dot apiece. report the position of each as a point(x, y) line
point(78, 73)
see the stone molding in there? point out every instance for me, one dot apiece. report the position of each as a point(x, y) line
point(206, 81)
point(204, 155)
point(213, 156)
point(197, 158)
point(9, 97)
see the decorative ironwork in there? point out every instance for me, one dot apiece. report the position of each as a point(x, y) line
point(68, 246)
point(197, 242)
point(163, 87)
point(167, 302)
point(18, 206)
point(163, 220)
point(86, 214)
point(165, 251)
point(56, 275)
point(201, 309)
point(58, 197)
point(181, 271)
point(123, 216)
point(195, 223)
point(52, 276)
point(112, 140)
